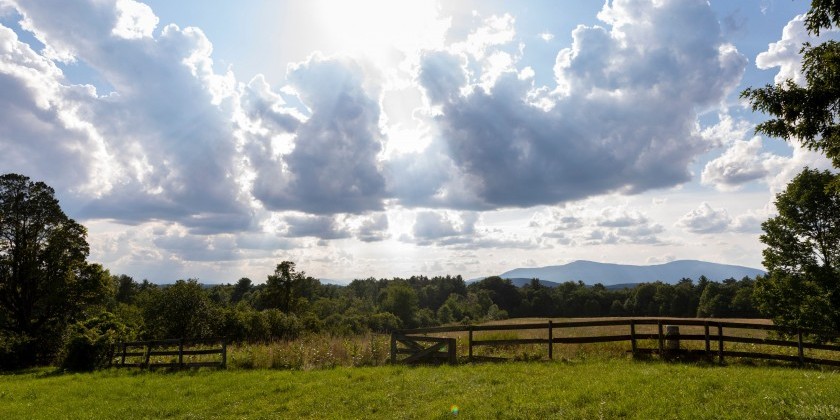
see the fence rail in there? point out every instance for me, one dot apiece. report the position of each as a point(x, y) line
point(147, 354)
point(713, 338)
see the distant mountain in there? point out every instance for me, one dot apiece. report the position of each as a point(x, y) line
point(591, 272)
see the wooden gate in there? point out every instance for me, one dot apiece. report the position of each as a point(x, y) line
point(441, 349)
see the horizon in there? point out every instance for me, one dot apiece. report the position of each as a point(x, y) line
point(375, 139)
point(345, 282)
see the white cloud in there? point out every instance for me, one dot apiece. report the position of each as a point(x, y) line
point(741, 163)
point(784, 53)
point(705, 219)
point(578, 226)
point(508, 152)
point(728, 130)
point(134, 20)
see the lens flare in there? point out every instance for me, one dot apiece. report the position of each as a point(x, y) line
point(454, 410)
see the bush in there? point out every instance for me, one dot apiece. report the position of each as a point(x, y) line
point(16, 351)
point(384, 322)
point(88, 343)
point(281, 325)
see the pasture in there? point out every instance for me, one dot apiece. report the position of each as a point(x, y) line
point(590, 388)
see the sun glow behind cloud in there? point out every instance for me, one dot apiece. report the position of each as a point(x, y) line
point(378, 28)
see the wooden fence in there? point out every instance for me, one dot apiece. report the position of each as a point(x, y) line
point(163, 353)
point(715, 334)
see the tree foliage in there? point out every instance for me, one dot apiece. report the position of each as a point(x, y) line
point(810, 113)
point(45, 282)
point(802, 288)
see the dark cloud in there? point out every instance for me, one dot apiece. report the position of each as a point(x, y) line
point(441, 76)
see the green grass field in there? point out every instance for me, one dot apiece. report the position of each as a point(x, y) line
point(588, 388)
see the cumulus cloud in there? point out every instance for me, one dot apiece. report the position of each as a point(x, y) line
point(741, 163)
point(705, 219)
point(622, 117)
point(784, 53)
point(323, 227)
point(39, 125)
point(459, 231)
point(575, 225)
point(373, 228)
point(165, 140)
point(432, 225)
point(333, 166)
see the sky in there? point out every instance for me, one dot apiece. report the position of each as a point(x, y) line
point(375, 138)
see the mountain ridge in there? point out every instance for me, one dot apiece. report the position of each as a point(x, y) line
point(608, 274)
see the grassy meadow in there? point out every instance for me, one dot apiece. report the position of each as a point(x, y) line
point(321, 376)
point(605, 388)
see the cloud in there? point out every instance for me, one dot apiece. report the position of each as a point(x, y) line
point(705, 219)
point(134, 20)
point(165, 144)
point(323, 227)
point(39, 125)
point(741, 163)
point(608, 129)
point(333, 166)
point(727, 131)
point(459, 231)
point(784, 53)
point(199, 248)
point(431, 225)
point(576, 226)
point(373, 228)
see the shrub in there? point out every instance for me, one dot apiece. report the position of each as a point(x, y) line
point(88, 343)
point(16, 351)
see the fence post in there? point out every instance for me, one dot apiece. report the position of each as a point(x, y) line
point(224, 353)
point(633, 336)
point(181, 353)
point(708, 345)
point(393, 348)
point(452, 349)
point(470, 341)
point(122, 359)
point(720, 343)
point(801, 349)
point(148, 353)
point(550, 340)
point(661, 343)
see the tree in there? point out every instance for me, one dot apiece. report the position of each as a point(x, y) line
point(810, 114)
point(802, 286)
point(242, 287)
point(43, 272)
point(181, 310)
point(401, 300)
point(288, 290)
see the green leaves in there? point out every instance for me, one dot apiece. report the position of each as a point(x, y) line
point(45, 282)
point(808, 114)
point(802, 288)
